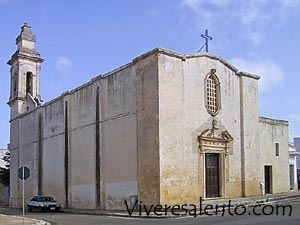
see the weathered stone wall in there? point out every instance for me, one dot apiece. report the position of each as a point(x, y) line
point(271, 132)
point(183, 116)
point(14, 159)
point(52, 176)
point(81, 128)
point(24, 144)
point(250, 157)
point(119, 137)
point(68, 123)
point(146, 68)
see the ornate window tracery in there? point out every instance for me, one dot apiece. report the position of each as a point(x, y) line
point(212, 93)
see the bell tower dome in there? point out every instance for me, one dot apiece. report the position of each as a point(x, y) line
point(25, 74)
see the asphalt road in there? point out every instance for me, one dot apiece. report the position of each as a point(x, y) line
point(227, 219)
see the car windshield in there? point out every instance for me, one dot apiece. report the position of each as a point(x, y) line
point(46, 199)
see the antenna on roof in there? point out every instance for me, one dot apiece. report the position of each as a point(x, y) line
point(206, 37)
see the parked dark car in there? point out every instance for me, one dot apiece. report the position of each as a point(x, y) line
point(43, 203)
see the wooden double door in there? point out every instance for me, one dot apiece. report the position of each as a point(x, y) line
point(212, 175)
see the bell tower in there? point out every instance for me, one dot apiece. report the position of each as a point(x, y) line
point(25, 74)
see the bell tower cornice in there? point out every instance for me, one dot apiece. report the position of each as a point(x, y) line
point(26, 34)
point(25, 70)
point(25, 47)
point(25, 54)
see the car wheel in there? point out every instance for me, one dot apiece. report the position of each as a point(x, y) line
point(29, 209)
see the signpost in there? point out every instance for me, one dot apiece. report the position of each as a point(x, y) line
point(23, 174)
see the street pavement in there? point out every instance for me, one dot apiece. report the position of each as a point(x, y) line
point(234, 217)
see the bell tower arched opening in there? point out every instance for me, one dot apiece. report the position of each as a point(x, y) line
point(29, 78)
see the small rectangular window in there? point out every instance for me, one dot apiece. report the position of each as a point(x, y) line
point(277, 149)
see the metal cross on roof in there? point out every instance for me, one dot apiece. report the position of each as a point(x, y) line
point(206, 37)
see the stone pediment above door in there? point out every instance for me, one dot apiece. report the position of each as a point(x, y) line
point(215, 139)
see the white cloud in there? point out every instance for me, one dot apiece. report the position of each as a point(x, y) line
point(289, 4)
point(295, 117)
point(288, 8)
point(254, 12)
point(191, 3)
point(6, 1)
point(248, 12)
point(152, 12)
point(292, 102)
point(196, 3)
point(254, 16)
point(63, 64)
point(209, 12)
point(270, 73)
point(256, 37)
point(205, 16)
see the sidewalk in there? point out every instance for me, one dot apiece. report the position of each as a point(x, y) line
point(252, 201)
point(13, 220)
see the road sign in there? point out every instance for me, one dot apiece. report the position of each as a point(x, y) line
point(26, 173)
point(23, 174)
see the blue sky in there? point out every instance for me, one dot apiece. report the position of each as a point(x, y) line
point(82, 39)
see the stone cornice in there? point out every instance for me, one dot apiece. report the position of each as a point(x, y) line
point(11, 100)
point(197, 55)
point(35, 56)
point(271, 121)
point(250, 75)
point(24, 53)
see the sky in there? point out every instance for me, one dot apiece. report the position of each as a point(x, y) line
point(82, 39)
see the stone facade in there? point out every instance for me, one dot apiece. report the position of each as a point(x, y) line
point(297, 145)
point(144, 129)
point(274, 145)
point(293, 155)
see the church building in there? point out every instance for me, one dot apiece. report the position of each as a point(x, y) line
point(166, 128)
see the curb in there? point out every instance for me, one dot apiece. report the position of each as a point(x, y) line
point(34, 221)
point(116, 214)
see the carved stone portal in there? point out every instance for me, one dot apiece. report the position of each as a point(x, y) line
point(214, 140)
